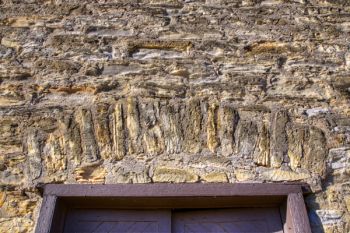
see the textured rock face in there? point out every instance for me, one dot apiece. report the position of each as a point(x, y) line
point(175, 91)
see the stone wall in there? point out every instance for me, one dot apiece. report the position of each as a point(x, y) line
point(175, 91)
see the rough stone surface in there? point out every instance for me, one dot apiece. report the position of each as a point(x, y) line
point(175, 91)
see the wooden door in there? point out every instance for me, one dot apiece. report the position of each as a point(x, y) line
point(123, 221)
point(239, 220)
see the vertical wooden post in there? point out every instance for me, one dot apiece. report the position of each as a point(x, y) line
point(297, 214)
point(46, 214)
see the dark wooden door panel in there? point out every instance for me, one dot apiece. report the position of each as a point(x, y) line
point(240, 220)
point(115, 221)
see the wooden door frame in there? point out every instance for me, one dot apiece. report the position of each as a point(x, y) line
point(288, 197)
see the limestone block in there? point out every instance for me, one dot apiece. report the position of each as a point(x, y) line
point(34, 155)
point(279, 144)
point(244, 175)
point(133, 174)
point(172, 132)
point(316, 111)
point(102, 130)
point(284, 175)
point(271, 2)
point(53, 155)
point(215, 177)
point(118, 132)
point(296, 135)
point(72, 139)
point(192, 126)
point(338, 163)
point(246, 138)
point(174, 175)
point(143, 54)
point(159, 45)
point(152, 134)
point(262, 149)
point(94, 174)
point(269, 47)
point(133, 126)
point(89, 146)
point(212, 128)
point(315, 151)
point(329, 216)
point(227, 123)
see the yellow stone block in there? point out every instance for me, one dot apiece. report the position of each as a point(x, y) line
point(216, 177)
point(174, 175)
